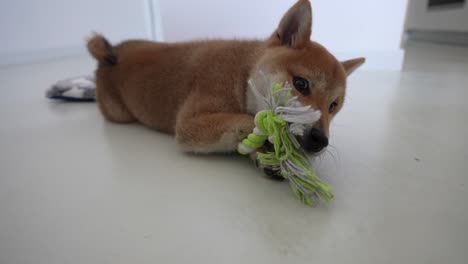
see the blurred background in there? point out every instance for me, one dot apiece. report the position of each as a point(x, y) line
point(33, 30)
point(376, 29)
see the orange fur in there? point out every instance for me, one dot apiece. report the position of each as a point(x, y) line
point(199, 90)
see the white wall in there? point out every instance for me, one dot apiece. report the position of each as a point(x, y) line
point(187, 20)
point(33, 27)
point(347, 25)
point(446, 19)
point(341, 25)
point(369, 28)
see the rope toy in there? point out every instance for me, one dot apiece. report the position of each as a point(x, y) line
point(278, 124)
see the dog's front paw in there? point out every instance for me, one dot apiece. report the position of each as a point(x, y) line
point(267, 171)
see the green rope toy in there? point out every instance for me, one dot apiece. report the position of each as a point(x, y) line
point(277, 124)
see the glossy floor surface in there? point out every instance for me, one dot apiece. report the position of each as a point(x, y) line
point(77, 189)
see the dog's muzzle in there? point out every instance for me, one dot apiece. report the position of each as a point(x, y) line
point(313, 140)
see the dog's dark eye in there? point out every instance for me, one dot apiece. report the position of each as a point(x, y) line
point(301, 85)
point(333, 107)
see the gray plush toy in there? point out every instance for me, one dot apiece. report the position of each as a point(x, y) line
point(81, 88)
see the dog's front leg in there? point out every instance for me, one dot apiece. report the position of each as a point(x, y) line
point(219, 132)
point(213, 132)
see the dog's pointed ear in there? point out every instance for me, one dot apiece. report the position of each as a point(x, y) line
point(295, 27)
point(351, 65)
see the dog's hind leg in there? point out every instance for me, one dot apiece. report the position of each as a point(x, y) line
point(110, 103)
point(107, 94)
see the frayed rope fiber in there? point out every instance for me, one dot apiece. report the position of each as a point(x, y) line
point(289, 159)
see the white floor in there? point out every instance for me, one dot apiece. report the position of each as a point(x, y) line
point(76, 189)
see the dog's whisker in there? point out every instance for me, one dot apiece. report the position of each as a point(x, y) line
point(337, 153)
point(333, 156)
point(334, 153)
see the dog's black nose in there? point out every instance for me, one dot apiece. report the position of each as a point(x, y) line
point(314, 140)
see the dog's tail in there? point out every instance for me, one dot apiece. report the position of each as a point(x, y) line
point(102, 50)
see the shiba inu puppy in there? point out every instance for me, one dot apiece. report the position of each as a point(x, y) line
point(199, 91)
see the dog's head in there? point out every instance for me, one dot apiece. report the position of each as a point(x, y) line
point(318, 78)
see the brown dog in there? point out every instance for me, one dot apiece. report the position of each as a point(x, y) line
point(199, 90)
